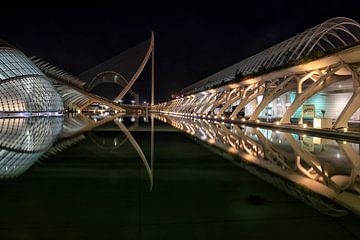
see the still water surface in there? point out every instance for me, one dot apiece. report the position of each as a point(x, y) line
point(111, 177)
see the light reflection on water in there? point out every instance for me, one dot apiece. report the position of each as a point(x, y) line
point(321, 172)
point(23, 141)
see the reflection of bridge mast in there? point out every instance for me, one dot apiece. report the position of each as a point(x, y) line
point(149, 168)
point(74, 127)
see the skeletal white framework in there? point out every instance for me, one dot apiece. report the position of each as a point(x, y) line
point(71, 88)
point(335, 33)
point(338, 63)
point(76, 92)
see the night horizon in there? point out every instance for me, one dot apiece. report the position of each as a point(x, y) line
point(191, 42)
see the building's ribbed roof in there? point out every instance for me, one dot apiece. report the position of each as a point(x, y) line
point(333, 34)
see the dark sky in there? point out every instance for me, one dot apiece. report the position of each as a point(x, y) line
point(193, 39)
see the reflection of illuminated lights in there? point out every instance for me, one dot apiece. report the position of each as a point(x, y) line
point(79, 111)
point(345, 129)
point(257, 120)
point(304, 125)
point(277, 123)
point(304, 135)
point(243, 126)
point(243, 119)
point(344, 142)
point(222, 118)
point(338, 155)
point(203, 137)
point(121, 120)
point(277, 131)
point(132, 119)
point(211, 141)
point(232, 118)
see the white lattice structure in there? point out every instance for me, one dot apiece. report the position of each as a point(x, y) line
point(335, 33)
point(323, 60)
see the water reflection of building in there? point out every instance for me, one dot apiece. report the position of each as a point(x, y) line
point(24, 89)
point(23, 141)
point(321, 172)
point(78, 127)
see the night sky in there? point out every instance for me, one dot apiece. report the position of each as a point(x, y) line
point(193, 39)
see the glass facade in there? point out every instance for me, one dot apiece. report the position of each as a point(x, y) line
point(23, 87)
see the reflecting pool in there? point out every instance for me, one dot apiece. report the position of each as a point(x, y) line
point(163, 177)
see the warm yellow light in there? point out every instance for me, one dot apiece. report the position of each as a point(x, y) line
point(345, 129)
point(277, 123)
point(243, 119)
point(304, 125)
point(212, 91)
point(232, 150)
point(258, 121)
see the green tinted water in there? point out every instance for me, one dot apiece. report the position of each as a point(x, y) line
point(94, 185)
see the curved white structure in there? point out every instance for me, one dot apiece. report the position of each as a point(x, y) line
point(319, 67)
point(23, 87)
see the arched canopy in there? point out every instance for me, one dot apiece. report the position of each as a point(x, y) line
point(331, 35)
point(127, 66)
point(108, 77)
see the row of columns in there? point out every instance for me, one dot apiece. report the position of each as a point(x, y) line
point(205, 103)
